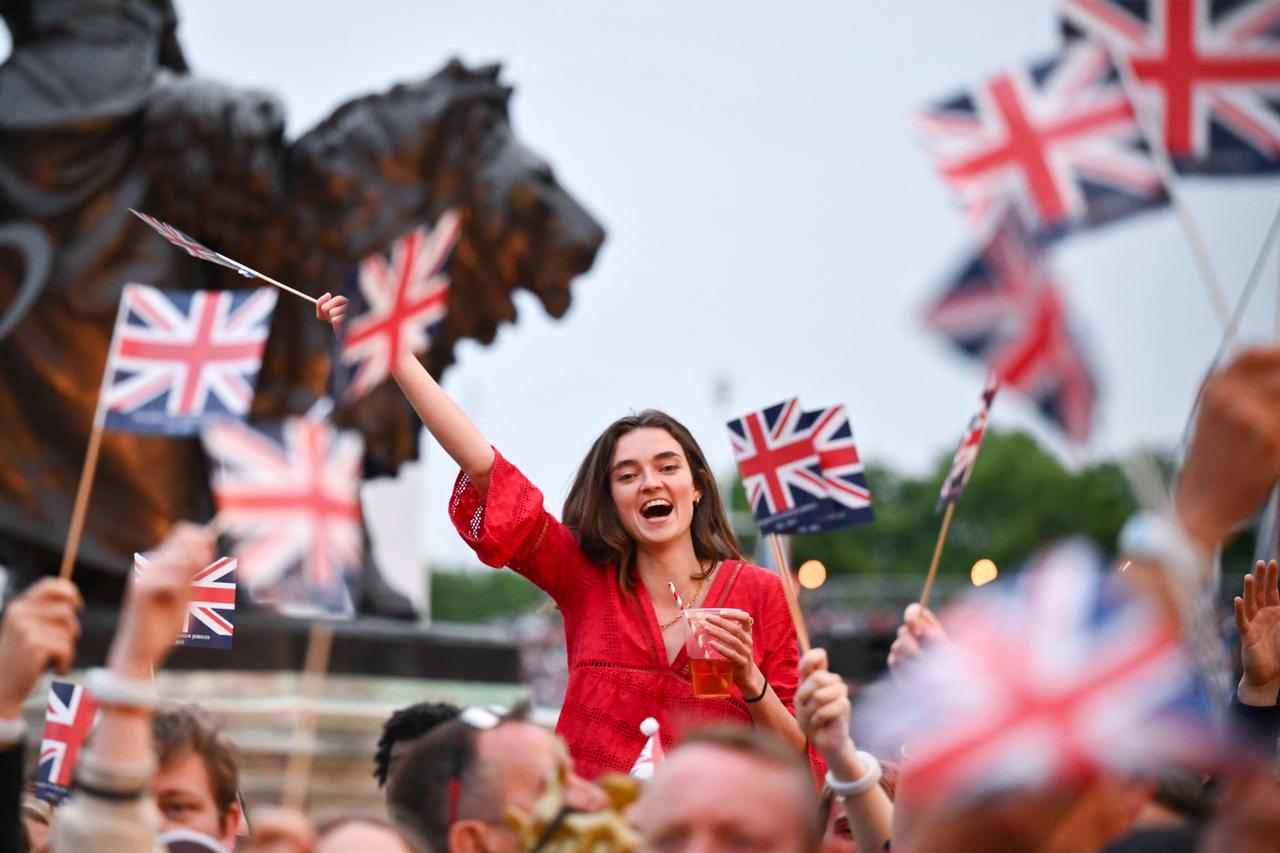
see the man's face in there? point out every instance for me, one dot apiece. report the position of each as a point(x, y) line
point(185, 799)
point(706, 798)
point(520, 757)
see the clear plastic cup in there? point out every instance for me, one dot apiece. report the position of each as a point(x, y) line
point(711, 674)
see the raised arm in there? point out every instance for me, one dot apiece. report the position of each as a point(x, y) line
point(442, 417)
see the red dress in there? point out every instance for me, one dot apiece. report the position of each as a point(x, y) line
point(618, 668)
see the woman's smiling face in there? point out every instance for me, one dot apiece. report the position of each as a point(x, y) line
point(652, 487)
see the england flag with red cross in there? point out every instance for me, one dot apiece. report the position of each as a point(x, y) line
point(68, 717)
point(210, 618)
point(1211, 69)
point(398, 299)
point(179, 357)
point(1059, 141)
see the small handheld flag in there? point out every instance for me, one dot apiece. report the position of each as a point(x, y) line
point(967, 453)
point(210, 618)
point(68, 717)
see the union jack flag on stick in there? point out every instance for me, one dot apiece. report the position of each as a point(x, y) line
point(178, 357)
point(196, 249)
point(210, 618)
point(290, 496)
point(1004, 308)
point(68, 717)
point(780, 451)
point(967, 453)
point(1059, 141)
point(1212, 68)
point(1063, 678)
point(398, 299)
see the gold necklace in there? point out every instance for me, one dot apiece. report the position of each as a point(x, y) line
point(664, 626)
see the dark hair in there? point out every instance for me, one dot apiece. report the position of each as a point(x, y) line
point(768, 748)
point(589, 511)
point(180, 730)
point(418, 792)
point(404, 725)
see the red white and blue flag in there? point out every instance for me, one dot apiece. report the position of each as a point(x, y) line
point(210, 618)
point(290, 496)
point(1005, 309)
point(1058, 141)
point(68, 717)
point(178, 357)
point(398, 300)
point(1211, 69)
point(800, 469)
point(1053, 682)
point(967, 453)
point(194, 247)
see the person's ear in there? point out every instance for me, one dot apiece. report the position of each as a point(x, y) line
point(470, 836)
point(232, 824)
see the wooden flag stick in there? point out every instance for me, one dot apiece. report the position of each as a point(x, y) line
point(298, 770)
point(269, 280)
point(789, 592)
point(81, 506)
point(217, 525)
point(937, 554)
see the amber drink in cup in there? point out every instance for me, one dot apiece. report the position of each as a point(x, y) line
point(712, 675)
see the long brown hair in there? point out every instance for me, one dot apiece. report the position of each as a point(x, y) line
point(589, 511)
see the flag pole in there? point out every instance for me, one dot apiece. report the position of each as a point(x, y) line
point(1164, 168)
point(937, 554)
point(298, 770)
point(789, 591)
point(269, 280)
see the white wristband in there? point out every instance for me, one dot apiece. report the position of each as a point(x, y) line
point(115, 691)
point(12, 731)
point(1161, 538)
point(860, 785)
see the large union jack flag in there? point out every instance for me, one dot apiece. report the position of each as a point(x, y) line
point(68, 717)
point(1061, 678)
point(178, 357)
point(1212, 68)
point(967, 453)
point(397, 301)
point(800, 469)
point(289, 495)
point(1004, 308)
point(194, 247)
point(212, 609)
point(1058, 141)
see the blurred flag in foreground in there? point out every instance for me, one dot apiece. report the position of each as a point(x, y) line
point(289, 494)
point(211, 613)
point(68, 717)
point(1048, 684)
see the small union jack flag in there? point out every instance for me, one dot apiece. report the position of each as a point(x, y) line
point(212, 605)
point(1005, 309)
point(68, 717)
point(193, 247)
point(397, 301)
point(178, 357)
point(800, 469)
point(967, 453)
point(290, 497)
point(1050, 683)
point(1059, 142)
point(1213, 67)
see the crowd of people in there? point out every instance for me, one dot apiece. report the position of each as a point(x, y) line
point(770, 766)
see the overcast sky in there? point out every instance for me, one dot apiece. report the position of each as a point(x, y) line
point(772, 222)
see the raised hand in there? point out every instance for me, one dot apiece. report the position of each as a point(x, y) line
point(919, 628)
point(156, 601)
point(332, 310)
point(822, 706)
point(40, 628)
point(1258, 621)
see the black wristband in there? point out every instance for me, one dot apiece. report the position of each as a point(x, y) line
point(763, 690)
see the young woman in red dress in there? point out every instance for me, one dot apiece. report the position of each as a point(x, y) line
point(643, 512)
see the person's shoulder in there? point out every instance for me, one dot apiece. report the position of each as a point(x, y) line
point(753, 576)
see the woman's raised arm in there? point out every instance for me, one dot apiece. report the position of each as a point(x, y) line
point(442, 417)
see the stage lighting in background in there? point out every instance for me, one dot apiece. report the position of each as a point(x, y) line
point(812, 574)
point(983, 572)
